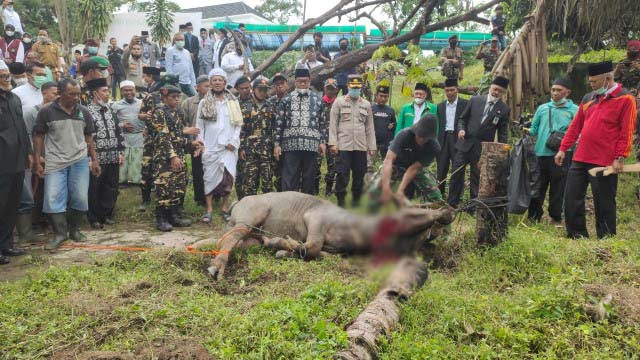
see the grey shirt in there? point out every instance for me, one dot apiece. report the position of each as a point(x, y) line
point(30, 114)
point(64, 135)
point(126, 112)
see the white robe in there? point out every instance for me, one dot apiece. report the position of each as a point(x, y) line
point(216, 135)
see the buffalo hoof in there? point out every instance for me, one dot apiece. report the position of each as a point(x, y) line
point(214, 272)
point(283, 254)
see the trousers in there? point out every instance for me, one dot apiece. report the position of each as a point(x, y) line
point(103, 193)
point(604, 190)
point(292, 162)
point(552, 178)
point(456, 188)
point(351, 162)
point(445, 158)
point(10, 191)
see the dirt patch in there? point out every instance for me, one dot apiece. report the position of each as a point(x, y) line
point(89, 304)
point(178, 350)
point(132, 290)
point(625, 300)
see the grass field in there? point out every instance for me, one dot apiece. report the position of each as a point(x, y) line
point(529, 297)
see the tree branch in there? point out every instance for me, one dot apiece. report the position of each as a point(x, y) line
point(337, 10)
point(406, 20)
point(363, 54)
point(375, 22)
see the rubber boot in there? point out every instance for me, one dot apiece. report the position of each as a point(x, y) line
point(23, 227)
point(341, 200)
point(75, 221)
point(161, 220)
point(146, 197)
point(59, 224)
point(175, 219)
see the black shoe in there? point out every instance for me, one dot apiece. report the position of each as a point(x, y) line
point(96, 225)
point(109, 221)
point(4, 260)
point(12, 252)
point(143, 207)
point(341, 201)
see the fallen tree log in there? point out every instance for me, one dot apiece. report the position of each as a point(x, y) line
point(382, 315)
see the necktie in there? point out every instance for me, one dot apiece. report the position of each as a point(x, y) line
point(487, 110)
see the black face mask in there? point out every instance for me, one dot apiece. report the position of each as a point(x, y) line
point(453, 43)
point(632, 54)
point(343, 47)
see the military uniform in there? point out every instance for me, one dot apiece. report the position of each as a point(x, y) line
point(330, 159)
point(489, 58)
point(166, 131)
point(627, 73)
point(450, 70)
point(256, 140)
point(150, 102)
point(276, 165)
point(245, 107)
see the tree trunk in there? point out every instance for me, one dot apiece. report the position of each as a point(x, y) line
point(491, 212)
point(382, 315)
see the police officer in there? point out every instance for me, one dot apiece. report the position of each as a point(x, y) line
point(256, 139)
point(351, 136)
point(167, 129)
point(451, 60)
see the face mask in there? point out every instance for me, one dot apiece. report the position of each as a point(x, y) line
point(10, 33)
point(180, 44)
point(20, 81)
point(43, 39)
point(92, 50)
point(343, 47)
point(26, 40)
point(144, 39)
point(453, 44)
point(303, 91)
point(39, 80)
point(418, 100)
point(354, 93)
point(630, 54)
point(104, 73)
point(559, 102)
point(601, 91)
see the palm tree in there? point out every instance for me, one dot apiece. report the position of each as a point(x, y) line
point(160, 20)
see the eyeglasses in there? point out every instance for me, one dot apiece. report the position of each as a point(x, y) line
point(5, 76)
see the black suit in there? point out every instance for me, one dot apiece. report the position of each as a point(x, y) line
point(192, 43)
point(447, 140)
point(470, 148)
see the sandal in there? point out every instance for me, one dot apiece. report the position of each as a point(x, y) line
point(206, 218)
point(226, 215)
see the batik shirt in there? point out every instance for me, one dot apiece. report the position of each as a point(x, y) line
point(108, 138)
point(301, 123)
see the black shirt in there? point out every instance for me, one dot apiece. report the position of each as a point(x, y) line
point(383, 116)
point(409, 152)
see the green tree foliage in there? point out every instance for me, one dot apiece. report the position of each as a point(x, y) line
point(97, 16)
point(160, 20)
point(34, 13)
point(279, 11)
point(146, 6)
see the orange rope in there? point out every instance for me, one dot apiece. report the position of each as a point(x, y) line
point(188, 249)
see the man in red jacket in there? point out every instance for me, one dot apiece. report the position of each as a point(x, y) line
point(605, 123)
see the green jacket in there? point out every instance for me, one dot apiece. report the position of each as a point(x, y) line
point(406, 115)
point(561, 117)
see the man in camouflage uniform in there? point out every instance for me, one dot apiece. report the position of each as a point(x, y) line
point(150, 100)
point(410, 153)
point(281, 87)
point(451, 60)
point(489, 55)
point(256, 140)
point(243, 88)
point(167, 130)
point(91, 69)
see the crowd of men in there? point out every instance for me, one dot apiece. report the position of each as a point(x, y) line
point(66, 148)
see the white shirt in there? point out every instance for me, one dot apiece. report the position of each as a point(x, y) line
point(417, 111)
point(216, 135)
point(231, 65)
point(178, 62)
point(451, 115)
point(29, 95)
point(10, 16)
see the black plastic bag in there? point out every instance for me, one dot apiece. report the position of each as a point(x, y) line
point(524, 180)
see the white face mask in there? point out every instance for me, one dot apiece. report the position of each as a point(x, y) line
point(418, 101)
point(10, 33)
point(21, 81)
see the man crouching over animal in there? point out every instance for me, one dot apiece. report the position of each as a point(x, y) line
point(328, 229)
